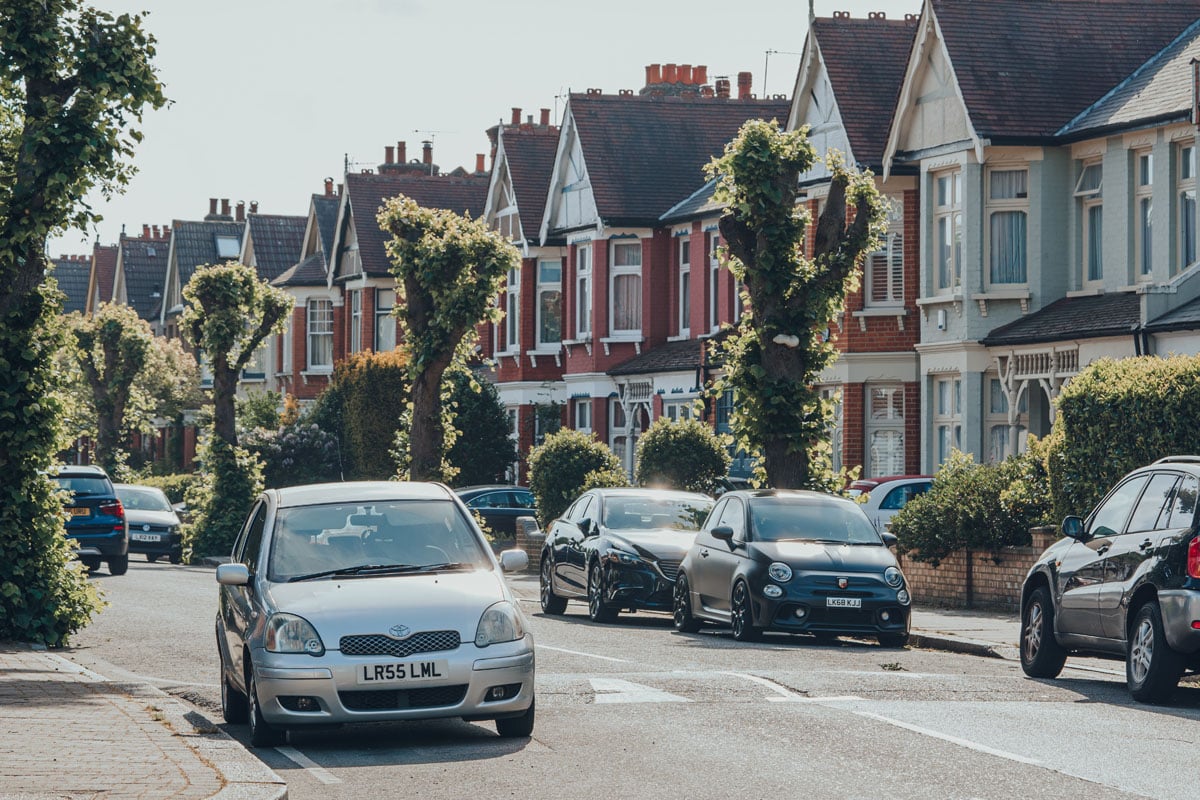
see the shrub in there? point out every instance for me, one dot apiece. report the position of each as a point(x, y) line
point(686, 455)
point(294, 455)
point(258, 410)
point(362, 408)
point(483, 450)
point(231, 479)
point(562, 465)
point(977, 506)
point(175, 487)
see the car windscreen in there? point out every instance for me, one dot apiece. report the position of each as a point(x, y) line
point(142, 498)
point(645, 513)
point(775, 519)
point(399, 533)
point(84, 485)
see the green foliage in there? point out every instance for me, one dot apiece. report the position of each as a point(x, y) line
point(259, 410)
point(448, 270)
point(294, 454)
point(362, 407)
point(562, 465)
point(781, 345)
point(175, 487)
point(977, 506)
point(686, 455)
point(1115, 416)
point(483, 450)
point(605, 478)
point(230, 479)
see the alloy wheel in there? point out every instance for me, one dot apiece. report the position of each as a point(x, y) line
point(1034, 626)
point(1141, 653)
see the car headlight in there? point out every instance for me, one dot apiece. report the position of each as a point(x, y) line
point(500, 623)
point(894, 577)
point(772, 591)
point(902, 597)
point(288, 633)
point(779, 571)
point(623, 557)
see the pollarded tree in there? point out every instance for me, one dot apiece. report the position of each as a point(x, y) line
point(781, 346)
point(74, 82)
point(449, 270)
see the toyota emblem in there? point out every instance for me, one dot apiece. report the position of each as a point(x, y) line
point(399, 631)
point(843, 583)
point(145, 527)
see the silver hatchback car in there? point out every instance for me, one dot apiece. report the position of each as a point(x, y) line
point(367, 602)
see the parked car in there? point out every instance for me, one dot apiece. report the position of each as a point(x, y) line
point(499, 506)
point(367, 602)
point(1123, 583)
point(153, 523)
point(729, 483)
point(95, 517)
point(885, 496)
point(793, 561)
point(619, 549)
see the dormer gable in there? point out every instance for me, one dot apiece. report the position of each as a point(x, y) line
point(815, 105)
point(570, 201)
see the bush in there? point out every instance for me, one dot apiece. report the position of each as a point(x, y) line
point(483, 450)
point(294, 455)
point(231, 479)
point(562, 465)
point(976, 506)
point(175, 487)
point(686, 455)
point(258, 410)
point(1115, 416)
point(362, 408)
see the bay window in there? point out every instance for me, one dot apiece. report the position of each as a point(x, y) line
point(1143, 229)
point(947, 221)
point(947, 417)
point(885, 430)
point(549, 302)
point(320, 335)
point(1007, 214)
point(583, 291)
point(1089, 190)
point(1185, 188)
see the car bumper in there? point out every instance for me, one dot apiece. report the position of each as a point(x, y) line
point(167, 544)
point(1180, 611)
point(880, 612)
point(114, 543)
point(288, 686)
point(640, 586)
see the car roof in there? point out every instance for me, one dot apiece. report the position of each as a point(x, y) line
point(873, 482)
point(488, 487)
point(139, 486)
point(637, 491)
point(81, 470)
point(359, 492)
point(796, 494)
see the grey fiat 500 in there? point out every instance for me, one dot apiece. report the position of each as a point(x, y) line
point(368, 602)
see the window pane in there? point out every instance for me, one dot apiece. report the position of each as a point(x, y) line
point(1008, 184)
point(1095, 242)
point(999, 401)
point(1183, 504)
point(1145, 169)
point(887, 453)
point(1146, 514)
point(1008, 247)
point(1146, 209)
point(1110, 517)
point(627, 255)
point(1187, 163)
point(549, 271)
point(945, 238)
point(385, 333)
point(685, 301)
point(1187, 228)
point(627, 302)
point(550, 316)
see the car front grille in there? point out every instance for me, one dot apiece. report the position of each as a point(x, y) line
point(669, 569)
point(378, 644)
point(393, 699)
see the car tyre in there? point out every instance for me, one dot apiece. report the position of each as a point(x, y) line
point(598, 610)
point(152, 557)
point(892, 639)
point(551, 603)
point(91, 564)
point(118, 565)
point(262, 733)
point(233, 703)
point(681, 607)
point(518, 727)
point(1041, 654)
point(174, 559)
point(1152, 668)
point(742, 614)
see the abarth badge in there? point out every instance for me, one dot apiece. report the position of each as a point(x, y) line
point(843, 583)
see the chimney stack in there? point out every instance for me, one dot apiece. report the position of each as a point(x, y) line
point(241, 211)
point(427, 151)
point(253, 206)
point(156, 233)
point(744, 83)
point(166, 231)
point(225, 206)
point(700, 74)
point(401, 153)
point(329, 187)
point(722, 85)
point(145, 231)
point(479, 162)
point(545, 116)
point(653, 74)
point(685, 74)
point(389, 154)
point(212, 205)
point(516, 116)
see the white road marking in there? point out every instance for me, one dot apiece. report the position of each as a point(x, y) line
point(787, 695)
point(981, 748)
point(311, 767)
point(614, 690)
point(587, 655)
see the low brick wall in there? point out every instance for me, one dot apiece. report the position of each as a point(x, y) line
point(976, 578)
point(530, 539)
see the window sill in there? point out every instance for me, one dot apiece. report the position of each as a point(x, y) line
point(1020, 295)
point(634, 338)
point(317, 372)
point(587, 344)
point(899, 312)
point(543, 352)
point(683, 337)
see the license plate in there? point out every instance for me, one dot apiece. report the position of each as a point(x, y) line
point(145, 537)
point(843, 602)
point(404, 672)
point(79, 512)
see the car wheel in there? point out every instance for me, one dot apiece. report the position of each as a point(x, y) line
point(118, 565)
point(1041, 654)
point(892, 639)
point(262, 733)
point(742, 615)
point(175, 559)
point(1152, 668)
point(551, 603)
point(233, 702)
point(598, 610)
point(681, 608)
point(91, 564)
point(152, 557)
point(518, 727)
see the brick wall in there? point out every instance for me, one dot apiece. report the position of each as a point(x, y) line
point(975, 579)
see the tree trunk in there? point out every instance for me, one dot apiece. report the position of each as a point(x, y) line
point(224, 391)
point(426, 440)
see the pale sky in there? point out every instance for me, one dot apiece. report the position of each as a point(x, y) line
point(270, 96)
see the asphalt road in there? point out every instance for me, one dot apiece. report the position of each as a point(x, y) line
point(635, 709)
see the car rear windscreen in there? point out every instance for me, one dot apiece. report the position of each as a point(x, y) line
point(83, 486)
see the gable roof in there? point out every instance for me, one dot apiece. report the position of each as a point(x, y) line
point(365, 193)
point(865, 60)
point(644, 152)
point(195, 243)
point(1088, 317)
point(1042, 62)
point(104, 271)
point(309, 272)
point(277, 240)
point(325, 209)
point(71, 273)
point(143, 271)
point(529, 151)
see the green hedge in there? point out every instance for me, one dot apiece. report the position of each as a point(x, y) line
point(174, 486)
point(564, 465)
point(686, 455)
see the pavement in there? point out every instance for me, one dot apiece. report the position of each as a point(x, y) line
point(68, 733)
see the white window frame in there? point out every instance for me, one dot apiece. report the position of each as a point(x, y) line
point(714, 281)
point(678, 410)
point(947, 417)
point(1143, 214)
point(684, 250)
point(618, 434)
point(543, 287)
point(356, 318)
point(885, 413)
point(385, 320)
point(582, 414)
point(285, 348)
point(995, 421)
point(947, 230)
point(319, 333)
point(583, 291)
point(1185, 194)
point(885, 267)
point(508, 329)
point(615, 271)
point(1089, 189)
point(995, 206)
point(833, 395)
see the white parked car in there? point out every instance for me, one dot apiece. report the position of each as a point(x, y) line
point(886, 496)
point(367, 602)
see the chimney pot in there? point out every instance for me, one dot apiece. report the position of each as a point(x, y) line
point(722, 88)
point(212, 205)
point(670, 73)
point(401, 154)
point(225, 206)
point(145, 231)
point(700, 74)
point(427, 152)
point(479, 162)
point(545, 116)
point(707, 91)
point(241, 211)
point(653, 74)
point(516, 116)
point(329, 187)
point(389, 154)
point(685, 74)
point(745, 80)
point(166, 231)
point(253, 206)
point(156, 234)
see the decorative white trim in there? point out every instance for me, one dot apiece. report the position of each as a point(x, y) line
point(533, 356)
point(587, 344)
point(956, 298)
point(1011, 155)
point(636, 341)
point(899, 312)
point(1022, 295)
point(1090, 149)
point(1141, 140)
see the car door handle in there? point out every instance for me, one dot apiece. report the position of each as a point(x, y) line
point(704, 554)
point(1146, 545)
point(1102, 550)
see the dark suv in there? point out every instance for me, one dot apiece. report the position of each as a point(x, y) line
point(1124, 583)
point(95, 517)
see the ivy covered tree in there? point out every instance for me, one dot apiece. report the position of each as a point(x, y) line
point(449, 270)
point(781, 345)
point(74, 82)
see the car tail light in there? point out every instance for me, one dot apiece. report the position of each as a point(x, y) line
point(1193, 558)
point(113, 508)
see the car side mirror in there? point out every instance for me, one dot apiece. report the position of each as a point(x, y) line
point(724, 533)
point(513, 560)
point(233, 575)
point(1072, 528)
point(889, 539)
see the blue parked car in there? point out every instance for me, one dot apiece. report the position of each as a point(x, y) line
point(95, 517)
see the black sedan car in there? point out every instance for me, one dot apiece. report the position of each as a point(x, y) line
point(499, 506)
point(153, 523)
point(799, 562)
point(619, 549)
